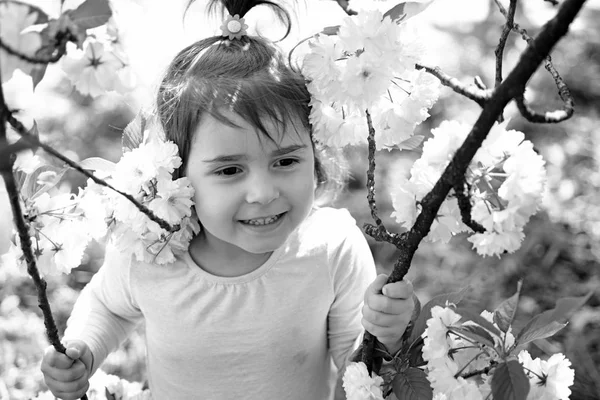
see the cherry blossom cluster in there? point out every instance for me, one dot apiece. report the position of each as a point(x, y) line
point(359, 385)
point(453, 357)
point(104, 386)
point(102, 65)
point(146, 173)
point(505, 183)
point(62, 225)
point(369, 64)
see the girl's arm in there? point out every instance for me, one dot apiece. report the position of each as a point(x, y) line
point(353, 270)
point(105, 312)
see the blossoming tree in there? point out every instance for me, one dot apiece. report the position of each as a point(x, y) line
point(368, 86)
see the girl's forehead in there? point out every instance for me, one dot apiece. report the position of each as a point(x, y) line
point(213, 135)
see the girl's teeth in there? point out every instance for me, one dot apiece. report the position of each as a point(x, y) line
point(262, 221)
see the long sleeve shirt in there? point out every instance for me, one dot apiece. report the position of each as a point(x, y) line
point(269, 334)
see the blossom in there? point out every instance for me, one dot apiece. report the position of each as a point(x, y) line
point(549, 379)
point(369, 65)
point(92, 70)
point(437, 342)
point(19, 97)
point(173, 201)
point(359, 385)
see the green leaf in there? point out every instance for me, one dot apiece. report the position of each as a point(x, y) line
point(91, 14)
point(406, 10)
point(441, 300)
point(547, 323)
point(31, 187)
point(475, 333)
point(469, 315)
point(109, 395)
point(133, 134)
point(509, 382)
point(98, 164)
point(412, 384)
point(331, 30)
point(506, 311)
point(411, 143)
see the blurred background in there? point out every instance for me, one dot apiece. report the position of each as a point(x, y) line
point(560, 255)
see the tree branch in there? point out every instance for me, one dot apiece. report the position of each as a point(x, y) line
point(477, 95)
point(510, 19)
point(23, 232)
point(557, 116)
point(514, 85)
point(464, 204)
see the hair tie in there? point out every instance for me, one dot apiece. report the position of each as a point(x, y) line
point(234, 27)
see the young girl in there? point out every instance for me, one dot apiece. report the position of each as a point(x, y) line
point(271, 290)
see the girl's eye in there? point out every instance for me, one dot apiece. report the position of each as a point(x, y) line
point(286, 162)
point(229, 171)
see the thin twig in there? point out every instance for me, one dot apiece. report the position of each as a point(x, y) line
point(551, 117)
point(464, 204)
point(18, 126)
point(477, 95)
point(499, 52)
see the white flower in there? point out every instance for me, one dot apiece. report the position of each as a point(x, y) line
point(359, 385)
point(174, 199)
point(334, 129)
point(437, 342)
point(491, 243)
point(93, 70)
point(19, 97)
point(549, 379)
point(62, 246)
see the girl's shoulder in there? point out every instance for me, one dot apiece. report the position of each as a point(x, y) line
point(327, 227)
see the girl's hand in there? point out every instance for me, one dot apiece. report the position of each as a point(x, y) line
point(67, 375)
point(387, 311)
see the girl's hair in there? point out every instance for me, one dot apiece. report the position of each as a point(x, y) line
point(246, 75)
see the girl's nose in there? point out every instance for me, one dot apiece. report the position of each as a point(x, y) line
point(262, 189)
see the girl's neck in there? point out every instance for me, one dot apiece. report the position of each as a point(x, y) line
point(222, 259)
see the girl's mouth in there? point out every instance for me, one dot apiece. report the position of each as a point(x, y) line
point(262, 221)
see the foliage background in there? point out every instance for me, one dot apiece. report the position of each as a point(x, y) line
point(559, 257)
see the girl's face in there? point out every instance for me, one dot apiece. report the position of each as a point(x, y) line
point(251, 193)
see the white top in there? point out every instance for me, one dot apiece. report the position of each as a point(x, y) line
point(269, 334)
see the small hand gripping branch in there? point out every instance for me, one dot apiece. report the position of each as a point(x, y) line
point(493, 105)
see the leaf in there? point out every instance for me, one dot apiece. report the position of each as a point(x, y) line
point(441, 300)
point(506, 311)
point(412, 384)
point(509, 382)
point(547, 323)
point(330, 30)
point(406, 10)
point(98, 164)
point(475, 333)
point(32, 189)
point(91, 14)
point(21, 16)
point(133, 134)
point(411, 143)
point(109, 395)
point(469, 315)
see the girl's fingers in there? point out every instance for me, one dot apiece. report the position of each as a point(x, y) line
point(378, 318)
point(386, 305)
point(57, 386)
point(398, 290)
